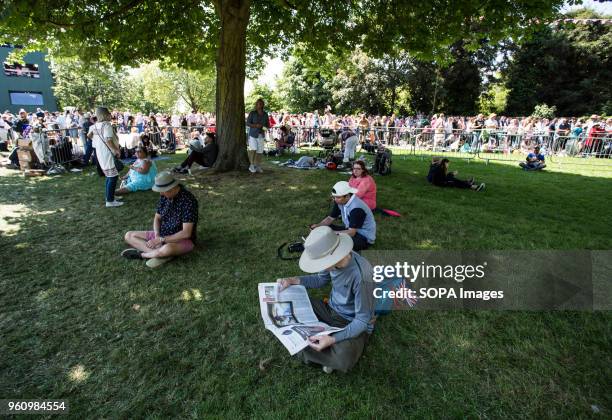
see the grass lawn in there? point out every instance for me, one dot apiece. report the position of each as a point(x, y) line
point(117, 339)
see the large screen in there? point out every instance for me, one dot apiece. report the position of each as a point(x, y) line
point(26, 98)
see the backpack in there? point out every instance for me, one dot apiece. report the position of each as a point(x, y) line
point(336, 158)
point(382, 163)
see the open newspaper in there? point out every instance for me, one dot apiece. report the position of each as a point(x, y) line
point(289, 316)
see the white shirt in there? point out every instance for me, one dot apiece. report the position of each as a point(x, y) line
point(102, 133)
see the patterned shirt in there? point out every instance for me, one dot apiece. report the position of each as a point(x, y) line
point(183, 208)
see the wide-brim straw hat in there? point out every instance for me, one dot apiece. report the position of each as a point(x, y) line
point(164, 181)
point(324, 248)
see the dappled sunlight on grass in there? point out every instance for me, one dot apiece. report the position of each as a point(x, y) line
point(427, 244)
point(9, 216)
point(192, 294)
point(78, 374)
point(80, 322)
point(44, 294)
point(461, 342)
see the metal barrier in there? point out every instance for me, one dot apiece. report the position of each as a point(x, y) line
point(484, 144)
point(61, 146)
point(68, 145)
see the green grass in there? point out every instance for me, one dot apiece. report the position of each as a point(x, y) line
point(116, 339)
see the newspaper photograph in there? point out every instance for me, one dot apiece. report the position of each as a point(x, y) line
point(289, 316)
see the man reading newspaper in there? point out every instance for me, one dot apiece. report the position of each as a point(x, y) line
point(351, 301)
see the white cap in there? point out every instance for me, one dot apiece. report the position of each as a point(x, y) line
point(342, 188)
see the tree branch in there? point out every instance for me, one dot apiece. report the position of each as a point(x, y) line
point(123, 9)
point(288, 5)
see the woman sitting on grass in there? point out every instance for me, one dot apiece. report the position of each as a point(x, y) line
point(364, 183)
point(141, 176)
point(439, 176)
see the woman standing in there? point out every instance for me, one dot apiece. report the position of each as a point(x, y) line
point(104, 140)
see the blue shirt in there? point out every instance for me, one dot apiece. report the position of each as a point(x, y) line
point(255, 118)
point(539, 156)
point(183, 208)
point(351, 295)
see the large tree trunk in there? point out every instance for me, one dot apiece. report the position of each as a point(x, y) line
point(231, 61)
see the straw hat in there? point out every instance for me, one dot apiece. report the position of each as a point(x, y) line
point(323, 249)
point(164, 181)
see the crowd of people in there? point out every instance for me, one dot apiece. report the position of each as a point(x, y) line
point(388, 128)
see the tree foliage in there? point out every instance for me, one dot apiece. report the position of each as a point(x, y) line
point(265, 92)
point(302, 88)
point(85, 85)
point(566, 66)
point(237, 32)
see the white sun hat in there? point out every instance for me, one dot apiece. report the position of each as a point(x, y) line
point(324, 248)
point(342, 188)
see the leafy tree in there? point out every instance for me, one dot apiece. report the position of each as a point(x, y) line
point(544, 111)
point(195, 87)
point(461, 84)
point(84, 86)
point(301, 88)
point(494, 100)
point(126, 31)
point(566, 66)
point(158, 87)
point(359, 86)
point(261, 90)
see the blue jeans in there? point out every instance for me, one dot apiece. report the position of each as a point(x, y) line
point(111, 185)
point(88, 151)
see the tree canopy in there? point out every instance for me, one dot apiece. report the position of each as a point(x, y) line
point(237, 32)
point(565, 66)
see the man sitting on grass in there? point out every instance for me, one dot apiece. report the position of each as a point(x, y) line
point(351, 301)
point(534, 162)
point(202, 155)
point(174, 225)
point(357, 217)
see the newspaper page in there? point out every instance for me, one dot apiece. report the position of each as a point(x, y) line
point(289, 316)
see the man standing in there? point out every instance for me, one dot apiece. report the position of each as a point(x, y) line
point(256, 121)
point(351, 301)
point(350, 140)
point(174, 225)
point(86, 122)
point(359, 223)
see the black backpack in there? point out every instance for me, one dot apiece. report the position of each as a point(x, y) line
point(382, 163)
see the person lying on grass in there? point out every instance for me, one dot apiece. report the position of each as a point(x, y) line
point(534, 161)
point(357, 217)
point(141, 176)
point(351, 301)
point(439, 176)
point(174, 225)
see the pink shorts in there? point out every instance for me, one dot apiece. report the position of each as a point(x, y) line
point(186, 245)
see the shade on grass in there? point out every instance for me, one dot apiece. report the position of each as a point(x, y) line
point(115, 338)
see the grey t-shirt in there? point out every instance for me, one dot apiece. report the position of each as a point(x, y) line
point(351, 294)
point(255, 118)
